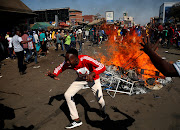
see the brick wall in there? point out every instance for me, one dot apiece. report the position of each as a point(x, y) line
point(88, 18)
point(75, 16)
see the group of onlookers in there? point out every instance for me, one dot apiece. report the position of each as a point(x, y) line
point(28, 45)
point(170, 34)
point(67, 39)
point(25, 46)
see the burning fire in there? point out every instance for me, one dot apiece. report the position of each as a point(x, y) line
point(126, 53)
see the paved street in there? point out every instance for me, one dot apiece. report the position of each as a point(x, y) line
point(29, 94)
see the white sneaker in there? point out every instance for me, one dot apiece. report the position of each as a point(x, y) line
point(73, 124)
point(85, 87)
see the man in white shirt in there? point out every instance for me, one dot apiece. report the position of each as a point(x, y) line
point(36, 38)
point(87, 34)
point(17, 43)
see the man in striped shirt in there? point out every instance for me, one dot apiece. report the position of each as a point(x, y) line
point(88, 70)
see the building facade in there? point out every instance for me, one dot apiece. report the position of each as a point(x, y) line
point(88, 18)
point(48, 15)
point(164, 11)
point(14, 13)
point(128, 20)
point(75, 16)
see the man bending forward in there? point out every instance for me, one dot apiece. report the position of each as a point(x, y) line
point(88, 71)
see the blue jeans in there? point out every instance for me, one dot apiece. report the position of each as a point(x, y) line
point(26, 51)
point(80, 46)
point(62, 45)
point(30, 54)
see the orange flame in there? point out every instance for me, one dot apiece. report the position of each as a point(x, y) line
point(126, 53)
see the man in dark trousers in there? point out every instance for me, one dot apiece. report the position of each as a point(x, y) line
point(18, 49)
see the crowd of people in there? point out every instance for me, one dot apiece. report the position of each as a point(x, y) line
point(26, 46)
point(170, 34)
point(35, 43)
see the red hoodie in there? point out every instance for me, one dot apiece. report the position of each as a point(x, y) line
point(86, 66)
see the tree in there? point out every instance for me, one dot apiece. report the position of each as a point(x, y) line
point(98, 16)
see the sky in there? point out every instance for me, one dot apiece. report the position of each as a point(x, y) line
point(141, 10)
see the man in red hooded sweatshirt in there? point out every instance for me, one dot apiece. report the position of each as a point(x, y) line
point(88, 70)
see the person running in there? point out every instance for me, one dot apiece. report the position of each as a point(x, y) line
point(88, 70)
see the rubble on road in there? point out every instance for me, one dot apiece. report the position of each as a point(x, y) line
point(116, 79)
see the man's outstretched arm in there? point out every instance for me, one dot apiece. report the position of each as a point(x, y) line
point(166, 68)
point(52, 75)
point(57, 71)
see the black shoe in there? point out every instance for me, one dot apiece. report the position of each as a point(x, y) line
point(26, 62)
point(22, 73)
point(104, 115)
point(63, 55)
point(73, 124)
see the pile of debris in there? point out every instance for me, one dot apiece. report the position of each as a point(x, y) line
point(116, 79)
